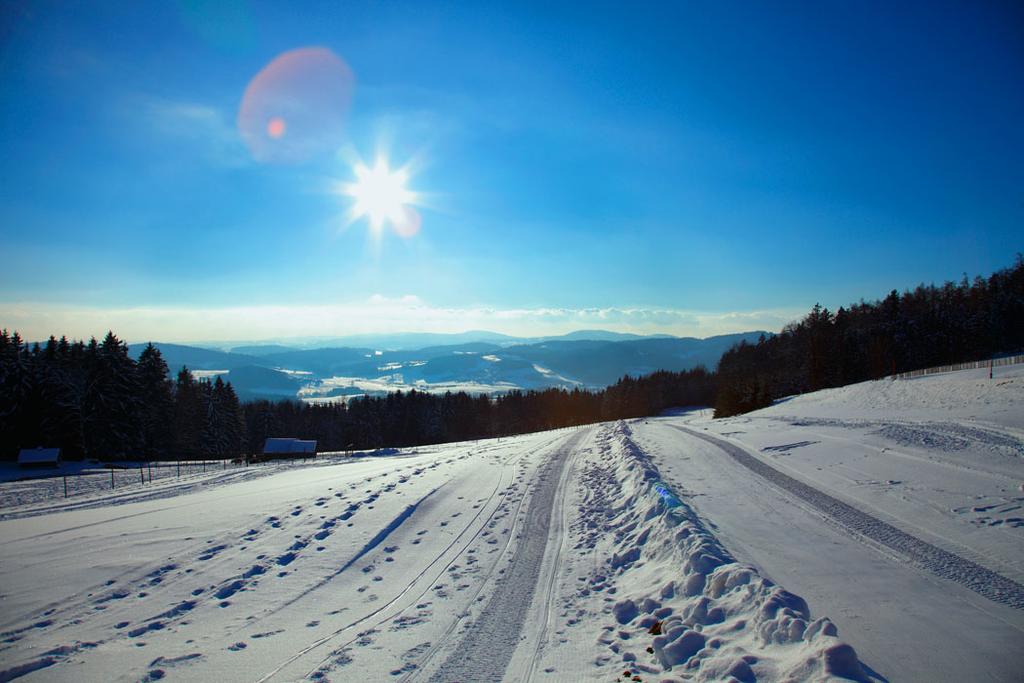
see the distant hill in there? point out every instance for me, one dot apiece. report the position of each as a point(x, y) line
point(252, 382)
point(196, 358)
point(277, 371)
point(599, 335)
point(262, 349)
point(597, 363)
point(410, 341)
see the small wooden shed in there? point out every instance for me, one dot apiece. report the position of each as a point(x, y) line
point(288, 448)
point(39, 457)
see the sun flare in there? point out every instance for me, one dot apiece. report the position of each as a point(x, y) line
point(381, 196)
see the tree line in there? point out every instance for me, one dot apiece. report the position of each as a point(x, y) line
point(94, 400)
point(402, 419)
point(929, 326)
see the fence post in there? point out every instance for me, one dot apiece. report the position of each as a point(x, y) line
point(150, 466)
point(991, 363)
point(65, 486)
point(111, 478)
point(142, 475)
point(204, 465)
point(179, 468)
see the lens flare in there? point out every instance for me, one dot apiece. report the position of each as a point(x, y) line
point(276, 127)
point(294, 109)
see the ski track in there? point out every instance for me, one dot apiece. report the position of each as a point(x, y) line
point(940, 562)
point(550, 596)
point(428, 653)
point(486, 649)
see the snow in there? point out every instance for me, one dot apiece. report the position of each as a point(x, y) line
point(208, 374)
point(937, 459)
point(664, 596)
point(319, 392)
point(866, 533)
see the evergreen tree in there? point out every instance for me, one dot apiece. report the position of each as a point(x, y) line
point(156, 415)
point(112, 401)
point(189, 418)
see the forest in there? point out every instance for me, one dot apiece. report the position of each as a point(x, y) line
point(92, 399)
point(929, 326)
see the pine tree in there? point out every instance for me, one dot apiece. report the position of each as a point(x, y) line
point(112, 401)
point(188, 417)
point(156, 415)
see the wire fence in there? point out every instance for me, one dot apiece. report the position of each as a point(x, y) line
point(80, 480)
point(106, 477)
point(990, 364)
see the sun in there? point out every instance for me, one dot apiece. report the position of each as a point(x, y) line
point(381, 196)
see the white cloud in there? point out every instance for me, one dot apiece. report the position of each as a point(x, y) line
point(208, 129)
point(377, 314)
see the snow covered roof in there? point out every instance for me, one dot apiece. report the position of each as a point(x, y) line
point(289, 445)
point(39, 456)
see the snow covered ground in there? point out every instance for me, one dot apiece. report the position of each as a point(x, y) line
point(644, 551)
point(938, 458)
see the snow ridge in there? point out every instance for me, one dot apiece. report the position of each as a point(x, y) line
point(940, 562)
point(681, 601)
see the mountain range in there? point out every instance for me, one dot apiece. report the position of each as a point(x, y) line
point(478, 362)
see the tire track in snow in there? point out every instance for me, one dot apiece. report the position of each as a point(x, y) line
point(942, 563)
point(486, 649)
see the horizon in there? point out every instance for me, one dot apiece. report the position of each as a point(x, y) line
point(376, 317)
point(311, 343)
point(241, 172)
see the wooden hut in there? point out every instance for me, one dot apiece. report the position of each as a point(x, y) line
point(39, 457)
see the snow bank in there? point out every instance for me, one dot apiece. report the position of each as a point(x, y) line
point(961, 394)
point(679, 601)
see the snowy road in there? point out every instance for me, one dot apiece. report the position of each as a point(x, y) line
point(948, 565)
point(937, 458)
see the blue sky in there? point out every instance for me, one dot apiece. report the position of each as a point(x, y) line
point(685, 168)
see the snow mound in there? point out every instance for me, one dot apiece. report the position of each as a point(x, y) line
point(679, 601)
point(960, 394)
